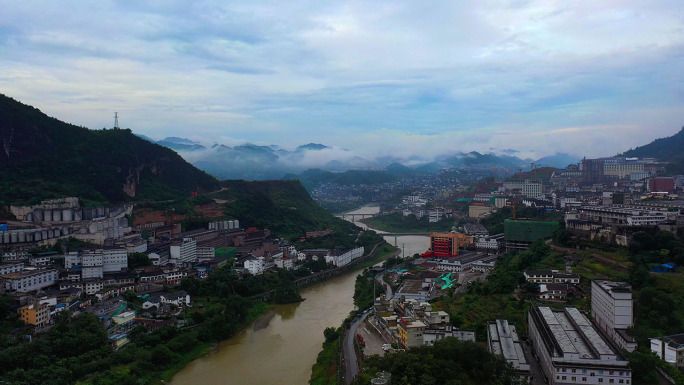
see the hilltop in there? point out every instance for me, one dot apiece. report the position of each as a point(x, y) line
point(43, 157)
point(664, 149)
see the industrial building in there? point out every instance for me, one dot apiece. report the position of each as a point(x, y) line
point(572, 351)
point(503, 340)
point(611, 306)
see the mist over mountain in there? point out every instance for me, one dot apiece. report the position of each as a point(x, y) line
point(260, 162)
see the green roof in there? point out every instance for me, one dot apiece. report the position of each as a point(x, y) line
point(528, 231)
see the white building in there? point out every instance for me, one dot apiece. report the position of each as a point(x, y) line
point(96, 262)
point(11, 267)
point(502, 340)
point(204, 254)
point(611, 306)
point(184, 253)
point(432, 335)
point(532, 189)
point(670, 349)
point(572, 351)
point(343, 257)
point(30, 279)
point(255, 265)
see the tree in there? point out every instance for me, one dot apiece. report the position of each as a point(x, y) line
point(138, 260)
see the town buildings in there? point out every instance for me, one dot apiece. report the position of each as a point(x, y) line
point(572, 351)
point(670, 349)
point(611, 306)
point(503, 340)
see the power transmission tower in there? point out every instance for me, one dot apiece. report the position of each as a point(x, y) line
point(116, 120)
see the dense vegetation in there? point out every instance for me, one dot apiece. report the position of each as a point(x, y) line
point(398, 223)
point(45, 158)
point(449, 362)
point(284, 207)
point(324, 371)
point(76, 348)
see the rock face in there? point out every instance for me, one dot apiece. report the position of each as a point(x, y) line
point(44, 158)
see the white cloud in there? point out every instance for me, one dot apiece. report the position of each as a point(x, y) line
point(380, 78)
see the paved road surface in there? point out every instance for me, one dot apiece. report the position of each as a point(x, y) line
point(351, 366)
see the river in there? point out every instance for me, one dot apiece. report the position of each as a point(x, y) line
point(281, 347)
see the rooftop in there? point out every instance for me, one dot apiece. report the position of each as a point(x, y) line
point(504, 341)
point(613, 286)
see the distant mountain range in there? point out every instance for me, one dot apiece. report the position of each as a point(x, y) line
point(254, 162)
point(42, 158)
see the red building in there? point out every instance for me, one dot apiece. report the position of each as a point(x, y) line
point(446, 245)
point(661, 184)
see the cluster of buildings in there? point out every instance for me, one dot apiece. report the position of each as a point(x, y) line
point(411, 323)
point(571, 346)
point(417, 206)
point(553, 285)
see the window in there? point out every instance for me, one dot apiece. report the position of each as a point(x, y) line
point(622, 381)
point(611, 372)
point(622, 373)
point(610, 381)
point(574, 379)
point(584, 379)
point(584, 371)
point(574, 370)
point(564, 377)
point(600, 371)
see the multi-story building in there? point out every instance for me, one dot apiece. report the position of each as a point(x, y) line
point(611, 306)
point(30, 279)
point(447, 245)
point(532, 188)
point(670, 349)
point(35, 314)
point(96, 262)
point(520, 234)
point(502, 340)
point(340, 257)
point(255, 265)
point(551, 276)
point(204, 254)
point(432, 335)
point(11, 267)
point(410, 332)
point(572, 351)
point(184, 253)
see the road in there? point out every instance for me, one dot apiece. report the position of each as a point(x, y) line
point(351, 365)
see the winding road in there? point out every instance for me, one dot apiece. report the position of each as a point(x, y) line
point(349, 359)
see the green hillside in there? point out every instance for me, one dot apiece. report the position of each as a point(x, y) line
point(665, 149)
point(42, 158)
point(284, 207)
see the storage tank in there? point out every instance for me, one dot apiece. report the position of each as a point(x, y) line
point(67, 215)
point(47, 215)
point(57, 215)
point(38, 215)
point(22, 237)
point(5, 237)
point(13, 237)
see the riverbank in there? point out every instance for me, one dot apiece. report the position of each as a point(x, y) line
point(397, 223)
point(255, 313)
point(326, 370)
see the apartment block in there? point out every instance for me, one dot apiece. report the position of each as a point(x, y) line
point(670, 349)
point(30, 279)
point(184, 253)
point(35, 314)
point(572, 351)
point(611, 307)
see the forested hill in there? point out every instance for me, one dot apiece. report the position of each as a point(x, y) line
point(42, 158)
point(284, 207)
point(665, 149)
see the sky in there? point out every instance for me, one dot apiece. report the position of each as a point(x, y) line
point(379, 78)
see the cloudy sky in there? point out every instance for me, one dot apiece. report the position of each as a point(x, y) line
point(381, 78)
